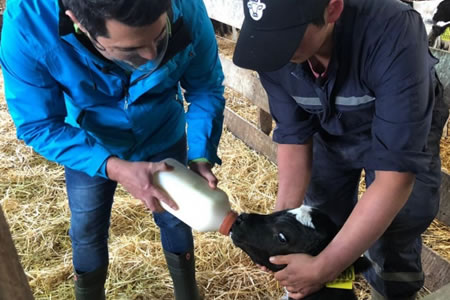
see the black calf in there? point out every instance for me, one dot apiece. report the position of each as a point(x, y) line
point(301, 230)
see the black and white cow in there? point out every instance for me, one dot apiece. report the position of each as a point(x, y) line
point(436, 17)
point(441, 21)
point(301, 230)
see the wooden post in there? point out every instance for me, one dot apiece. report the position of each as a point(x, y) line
point(446, 131)
point(13, 282)
point(436, 269)
point(442, 294)
point(444, 208)
point(265, 121)
point(235, 34)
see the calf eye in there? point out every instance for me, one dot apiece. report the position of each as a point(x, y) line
point(282, 238)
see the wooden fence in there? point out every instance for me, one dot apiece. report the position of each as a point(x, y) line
point(246, 82)
point(13, 282)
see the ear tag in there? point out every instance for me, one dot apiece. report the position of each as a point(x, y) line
point(343, 281)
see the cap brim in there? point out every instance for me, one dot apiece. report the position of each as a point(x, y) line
point(266, 51)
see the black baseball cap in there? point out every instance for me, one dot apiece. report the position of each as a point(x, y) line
point(272, 31)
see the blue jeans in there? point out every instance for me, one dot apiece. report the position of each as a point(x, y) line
point(90, 202)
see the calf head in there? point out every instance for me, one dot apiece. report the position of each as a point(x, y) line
point(301, 230)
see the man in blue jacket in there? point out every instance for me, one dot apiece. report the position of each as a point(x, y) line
point(96, 86)
point(352, 87)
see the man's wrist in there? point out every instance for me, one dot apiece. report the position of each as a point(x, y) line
point(328, 267)
point(111, 167)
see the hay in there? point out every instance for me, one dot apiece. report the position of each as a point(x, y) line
point(33, 198)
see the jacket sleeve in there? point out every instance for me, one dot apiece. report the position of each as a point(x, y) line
point(400, 73)
point(203, 84)
point(294, 124)
point(36, 104)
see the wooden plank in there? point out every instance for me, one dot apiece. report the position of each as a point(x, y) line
point(444, 209)
point(436, 269)
point(446, 131)
point(245, 82)
point(442, 69)
point(265, 121)
point(441, 294)
point(250, 135)
point(229, 12)
point(13, 282)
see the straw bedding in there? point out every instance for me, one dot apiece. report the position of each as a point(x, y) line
point(33, 197)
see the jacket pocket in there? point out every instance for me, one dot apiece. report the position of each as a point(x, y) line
point(109, 127)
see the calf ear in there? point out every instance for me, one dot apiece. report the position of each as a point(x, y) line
point(362, 264)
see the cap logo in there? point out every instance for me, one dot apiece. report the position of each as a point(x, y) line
point(256, 9)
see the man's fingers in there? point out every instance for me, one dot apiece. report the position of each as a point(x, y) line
point(157, 205)
point(166, 167)
point(300, 293)
point(296, 295)
point(279, 260)
point(153, 205)
point(160, 166)
point(282, 279)
point(212, 180)
point(162, 196)
point(204, 169)
point(263, 268)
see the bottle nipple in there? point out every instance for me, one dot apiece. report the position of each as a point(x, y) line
point(228, 221)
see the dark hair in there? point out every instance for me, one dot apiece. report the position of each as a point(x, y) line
point(93, 14)
point(321, 20)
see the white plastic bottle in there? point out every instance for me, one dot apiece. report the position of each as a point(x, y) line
point(202, 208)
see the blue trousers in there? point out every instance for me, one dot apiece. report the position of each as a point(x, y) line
point(337, 165)
point(90, 202)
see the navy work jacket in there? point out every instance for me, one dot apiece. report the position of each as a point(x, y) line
point(375, 107)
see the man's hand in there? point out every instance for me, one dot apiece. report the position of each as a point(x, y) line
point(301, 276)
point(137, 179)
point(204, 170)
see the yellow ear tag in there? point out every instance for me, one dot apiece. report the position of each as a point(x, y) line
point(446, 35)
point(343, 281)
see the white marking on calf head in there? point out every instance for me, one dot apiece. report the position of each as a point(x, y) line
point(442, 23)
point(427, 10)
point(303, 215)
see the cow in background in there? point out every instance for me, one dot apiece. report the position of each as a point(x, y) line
point(441, 21)
point(436, 17)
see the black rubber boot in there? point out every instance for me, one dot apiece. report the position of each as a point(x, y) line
point(182, 270)
point(91, 285)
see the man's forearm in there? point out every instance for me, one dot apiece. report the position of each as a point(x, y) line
point(294, 173)
point(370, 218)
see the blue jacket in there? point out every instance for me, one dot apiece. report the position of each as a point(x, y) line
point(77, 109)
point(375, 108)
